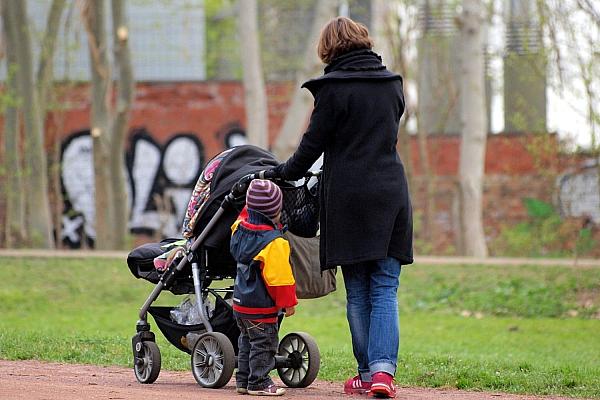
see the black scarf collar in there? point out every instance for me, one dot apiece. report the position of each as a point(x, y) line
point(360, 64)
point(356, 60)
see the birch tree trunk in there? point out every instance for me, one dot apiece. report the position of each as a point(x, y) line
point(14, 228)
point(394, 49)
point(125, 96)
point(381, 24)
point(473, 121)
point(93, 14)
point(302, 102)
point(255, 95)
point(38, 220)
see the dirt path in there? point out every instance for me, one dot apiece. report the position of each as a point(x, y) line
point(35, 380)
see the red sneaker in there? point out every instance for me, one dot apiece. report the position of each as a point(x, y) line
point(356, 386)
point(382, 386)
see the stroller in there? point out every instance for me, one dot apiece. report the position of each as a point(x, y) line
point(205, 258)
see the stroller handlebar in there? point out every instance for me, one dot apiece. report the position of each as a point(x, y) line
point(271, 175)
point(310, 174)
point(241, 186)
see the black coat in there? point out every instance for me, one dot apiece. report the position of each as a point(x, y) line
point(365, 205)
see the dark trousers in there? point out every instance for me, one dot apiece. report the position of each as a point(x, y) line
point(256, 355)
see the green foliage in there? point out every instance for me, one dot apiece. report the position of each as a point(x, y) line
point(500, 328)
point(545, 234)
point(585, 241)
point(421, 245)
point(538, 209)
point(222, 44)
point(284, 26)
point(7, 97)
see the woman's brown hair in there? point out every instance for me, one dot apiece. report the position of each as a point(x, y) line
point(341, 35)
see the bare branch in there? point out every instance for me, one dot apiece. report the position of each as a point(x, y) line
point(87, 16)
point(44, 72)
point(589, 8)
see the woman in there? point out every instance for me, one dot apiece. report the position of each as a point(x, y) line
point(366, 218)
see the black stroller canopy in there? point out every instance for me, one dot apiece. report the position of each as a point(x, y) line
point(237, 163)
point(240, 161)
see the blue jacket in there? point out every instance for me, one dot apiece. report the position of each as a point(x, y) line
point(264, 283)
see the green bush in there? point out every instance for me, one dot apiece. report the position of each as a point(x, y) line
point(421, 245)
point(545, 234)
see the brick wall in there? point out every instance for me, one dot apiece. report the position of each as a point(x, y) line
point(517, 166)
point(207, 109)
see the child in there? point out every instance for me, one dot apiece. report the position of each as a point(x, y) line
point(264, 286)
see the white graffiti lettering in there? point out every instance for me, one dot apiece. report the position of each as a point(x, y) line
point(579, 195)
point(159, 183)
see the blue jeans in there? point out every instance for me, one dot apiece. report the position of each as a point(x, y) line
point(372, 312)
point(257, 345)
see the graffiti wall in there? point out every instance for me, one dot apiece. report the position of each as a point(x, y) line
point(579, 195)
point(160, 179)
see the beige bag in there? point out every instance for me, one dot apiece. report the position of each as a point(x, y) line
point(310, 281)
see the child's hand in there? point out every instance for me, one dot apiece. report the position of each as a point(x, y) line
point(289, 311)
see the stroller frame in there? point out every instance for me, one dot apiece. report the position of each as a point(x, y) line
point(213, 356)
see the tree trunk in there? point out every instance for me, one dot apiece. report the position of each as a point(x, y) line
point(54, 168)
point(93, 13)
point(44, 81)
point(302, 102)
point(394, 23)
point(125, 96)
point(14, 229)
point(428, 183)
point(381, 24)
point(473, 120)
point(255, 95)
point(45, 70)
point(38, 218)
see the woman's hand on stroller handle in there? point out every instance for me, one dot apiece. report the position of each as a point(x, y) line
point(241, 186)
point(310, 174)
point(239, 189)
point(268, 174)
point(272, 174)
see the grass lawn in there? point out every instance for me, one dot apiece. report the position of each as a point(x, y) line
point(513, 329)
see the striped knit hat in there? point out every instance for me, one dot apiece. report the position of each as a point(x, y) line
point(265, 197)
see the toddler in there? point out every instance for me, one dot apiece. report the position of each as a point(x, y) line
point(264, 286)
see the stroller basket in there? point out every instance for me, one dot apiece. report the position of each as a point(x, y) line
point(300, 211)
point(222, 321)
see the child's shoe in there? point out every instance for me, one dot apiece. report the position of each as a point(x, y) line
point(356, 386)
point(382, 386)
point(271, 390)
point(241, 390)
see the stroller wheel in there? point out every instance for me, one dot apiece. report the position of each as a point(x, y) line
point(147, 367)
point(303, 360)
point(213, 360)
